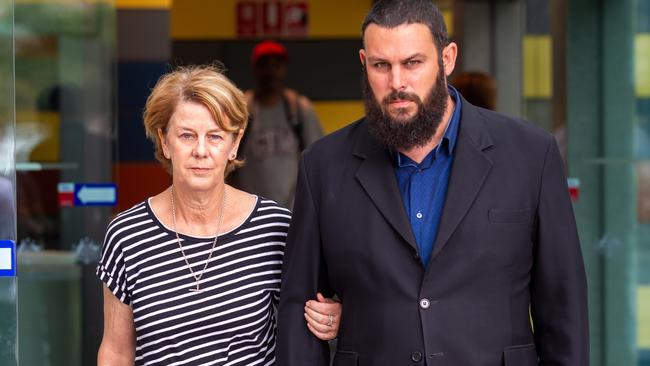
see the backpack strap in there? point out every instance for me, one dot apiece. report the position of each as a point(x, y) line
point(291, 100)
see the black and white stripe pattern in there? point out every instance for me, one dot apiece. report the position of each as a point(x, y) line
point(232, 322)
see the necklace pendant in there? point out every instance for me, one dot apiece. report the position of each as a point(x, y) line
point(197, 278)
point(197, 289)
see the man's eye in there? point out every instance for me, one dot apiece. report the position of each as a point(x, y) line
point(381, 65)
point(413, 62)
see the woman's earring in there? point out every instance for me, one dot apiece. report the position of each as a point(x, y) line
point(233, 156)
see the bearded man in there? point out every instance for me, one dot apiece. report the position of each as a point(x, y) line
point(445, 229)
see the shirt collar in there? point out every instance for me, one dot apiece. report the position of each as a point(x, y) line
point(451, 134)
point(448, 139)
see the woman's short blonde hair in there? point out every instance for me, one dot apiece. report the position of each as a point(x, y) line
point(204, 84)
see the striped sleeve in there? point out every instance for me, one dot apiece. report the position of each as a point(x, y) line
point(111, 269)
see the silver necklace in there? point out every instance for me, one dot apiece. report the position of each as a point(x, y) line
point(197, 278)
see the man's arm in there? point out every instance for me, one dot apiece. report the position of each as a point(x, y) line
point(301, 276)
point(118, 343)
point(558, 282)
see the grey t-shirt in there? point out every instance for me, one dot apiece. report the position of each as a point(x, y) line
point(272, 152)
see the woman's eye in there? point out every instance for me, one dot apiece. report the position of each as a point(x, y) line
point(186, 136)
point(215, 137)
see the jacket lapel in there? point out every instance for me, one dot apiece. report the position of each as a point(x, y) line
point(376, 174)
point(470, 168)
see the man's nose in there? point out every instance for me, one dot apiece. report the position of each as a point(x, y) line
point(396, 79)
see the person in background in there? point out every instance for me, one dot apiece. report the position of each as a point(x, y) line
point(445, 229)
point(192, 275)
point(282, 124)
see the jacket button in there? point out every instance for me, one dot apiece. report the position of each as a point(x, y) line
point(425, 303)
point(416, 356)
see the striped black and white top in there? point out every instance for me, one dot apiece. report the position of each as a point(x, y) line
point(233, 321)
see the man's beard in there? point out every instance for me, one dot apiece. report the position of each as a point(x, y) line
point(399, 134)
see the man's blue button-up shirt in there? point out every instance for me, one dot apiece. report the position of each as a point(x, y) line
point(424, 186)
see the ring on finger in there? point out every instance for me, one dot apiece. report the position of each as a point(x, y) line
point(330, 320)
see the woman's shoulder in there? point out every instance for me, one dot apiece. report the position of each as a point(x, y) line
point(138, 211)
point(253, 204)
point(267, 211)
point(267, 204)
point(267, 217)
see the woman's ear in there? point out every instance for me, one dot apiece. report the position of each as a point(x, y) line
point(235, 145)
point(163, 144)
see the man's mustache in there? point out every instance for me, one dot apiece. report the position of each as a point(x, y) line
point(401, 95)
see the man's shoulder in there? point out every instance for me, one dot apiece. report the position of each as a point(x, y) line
point(329, 157)
point(502, 127)
point(345, 136)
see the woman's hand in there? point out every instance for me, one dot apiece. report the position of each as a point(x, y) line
point(323, 317)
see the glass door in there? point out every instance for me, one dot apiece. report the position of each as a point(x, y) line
point(8, 281)
point(641, 130)
point(64, 133)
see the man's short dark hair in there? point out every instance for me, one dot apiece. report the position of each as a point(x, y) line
point(393, 13)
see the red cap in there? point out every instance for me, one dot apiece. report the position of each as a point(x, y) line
point(269, 48)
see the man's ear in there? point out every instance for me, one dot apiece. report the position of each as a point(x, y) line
point(449, 55)
point(362, 58)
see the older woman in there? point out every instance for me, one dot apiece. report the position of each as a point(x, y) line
point(192, 274)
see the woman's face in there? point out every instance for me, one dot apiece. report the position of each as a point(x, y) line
point(197, 147)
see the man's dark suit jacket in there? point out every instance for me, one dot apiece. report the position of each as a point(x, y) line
point(506, 254)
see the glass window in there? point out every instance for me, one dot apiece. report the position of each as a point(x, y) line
point(65, 132)
point(8, 287)
point(642, 153)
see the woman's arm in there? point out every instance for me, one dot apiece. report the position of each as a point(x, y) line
point(118, 343)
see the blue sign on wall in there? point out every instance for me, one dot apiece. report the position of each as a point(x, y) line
point(7, 258)
point(95, 194)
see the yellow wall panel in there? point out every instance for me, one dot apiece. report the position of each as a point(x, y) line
point(337, 18)
point(120, 4)
point(643, 312)
point(64, 2)
point(336, 114)
point(201, 19)
point(39, 136)
point(448, 15)
point(143, 4)
point(537, 68)
point(642, 65)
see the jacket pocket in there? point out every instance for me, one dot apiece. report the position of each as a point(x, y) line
point(346, 358)
point(521, 355)
point(509, 215)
